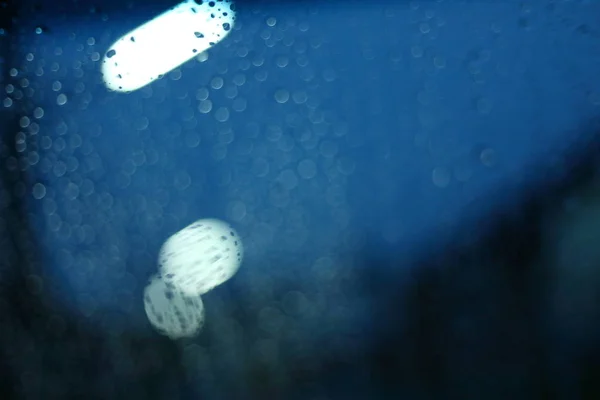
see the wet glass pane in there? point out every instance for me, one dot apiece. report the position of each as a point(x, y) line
point(299, 199)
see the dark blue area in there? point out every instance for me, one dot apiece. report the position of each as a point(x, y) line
point(425, 120)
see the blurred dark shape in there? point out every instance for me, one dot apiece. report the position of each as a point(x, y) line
point(482, 314)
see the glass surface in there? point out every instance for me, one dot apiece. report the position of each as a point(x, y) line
point(401, 177)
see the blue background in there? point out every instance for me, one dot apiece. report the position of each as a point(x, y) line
point(424, 120)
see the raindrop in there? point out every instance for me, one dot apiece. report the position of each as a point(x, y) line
point(39, 191)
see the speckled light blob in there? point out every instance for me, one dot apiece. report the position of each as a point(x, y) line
point(201, 256)
point(165, 42)
point(170, 311)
